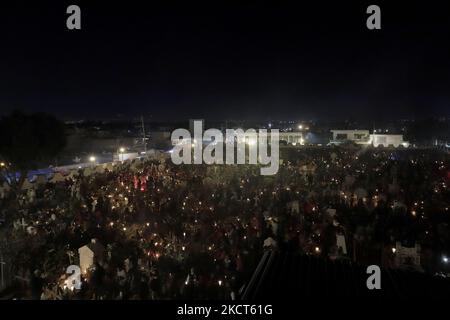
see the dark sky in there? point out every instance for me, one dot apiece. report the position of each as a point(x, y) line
point(224, 59)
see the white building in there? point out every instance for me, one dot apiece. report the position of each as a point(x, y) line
point(293, 138)
point(363, 137)
point(386, 140)
point(356, 136)
point(89, 254)
point(290, 138)
point(124, 156)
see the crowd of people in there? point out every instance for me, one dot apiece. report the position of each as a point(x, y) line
point(198, 231)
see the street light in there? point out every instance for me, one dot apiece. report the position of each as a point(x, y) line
point(92, 159)
point(121, 151)
point(300, 127)
point(2, 164)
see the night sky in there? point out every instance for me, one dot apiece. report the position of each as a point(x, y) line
point(226, 60)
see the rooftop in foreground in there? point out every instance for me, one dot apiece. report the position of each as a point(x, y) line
point(285, 276)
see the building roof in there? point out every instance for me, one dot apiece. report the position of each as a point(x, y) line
point(287, 276)
point(94, 246)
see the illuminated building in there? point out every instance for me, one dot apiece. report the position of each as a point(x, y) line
point(363, 137)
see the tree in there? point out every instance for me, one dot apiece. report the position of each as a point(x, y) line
point(28, 141)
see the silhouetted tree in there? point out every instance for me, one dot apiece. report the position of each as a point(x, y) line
point(28, 141)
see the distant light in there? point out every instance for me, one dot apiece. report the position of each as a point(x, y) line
point(317, 249)
point(2, 164)
point(122, 150)
point(219, 282)
point(394, 250)
point(92, 159)
point(300, 127)
point(444, 259)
